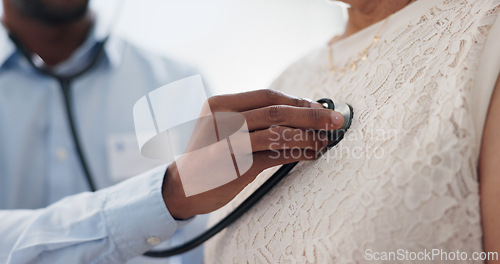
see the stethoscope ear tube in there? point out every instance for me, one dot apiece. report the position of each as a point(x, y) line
point(334, 136)
point(65, 84)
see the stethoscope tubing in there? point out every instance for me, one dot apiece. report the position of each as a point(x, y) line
point(244, 207)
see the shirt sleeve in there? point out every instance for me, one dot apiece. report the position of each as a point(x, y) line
point(108, 226)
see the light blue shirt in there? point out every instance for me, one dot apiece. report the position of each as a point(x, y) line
point(39, 165)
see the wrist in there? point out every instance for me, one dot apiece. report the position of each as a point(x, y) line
point(173, 195)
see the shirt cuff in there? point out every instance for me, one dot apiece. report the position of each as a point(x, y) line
point(136, 215)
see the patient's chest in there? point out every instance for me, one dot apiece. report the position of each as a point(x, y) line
point(403, 178)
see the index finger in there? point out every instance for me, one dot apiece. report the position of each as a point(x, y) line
point(241, 102)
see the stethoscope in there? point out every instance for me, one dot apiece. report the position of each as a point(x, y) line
point(65, 82)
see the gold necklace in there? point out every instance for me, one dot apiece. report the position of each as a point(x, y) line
point(362, 56)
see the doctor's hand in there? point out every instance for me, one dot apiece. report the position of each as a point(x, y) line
point(279, 129)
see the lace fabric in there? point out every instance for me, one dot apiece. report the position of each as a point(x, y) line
point(405, 177)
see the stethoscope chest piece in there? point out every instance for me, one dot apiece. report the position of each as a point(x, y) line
point(336, 136)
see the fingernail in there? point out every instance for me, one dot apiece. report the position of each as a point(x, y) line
point(338, 119)
point(317, 105)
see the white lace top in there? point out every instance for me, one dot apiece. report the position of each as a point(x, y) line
point(405, 177)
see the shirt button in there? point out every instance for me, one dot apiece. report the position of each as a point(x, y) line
point(61, 154)
point(153, 241)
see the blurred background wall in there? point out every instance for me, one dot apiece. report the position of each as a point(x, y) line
point(238, 45)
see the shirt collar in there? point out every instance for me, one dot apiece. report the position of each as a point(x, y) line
point(98, 32)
